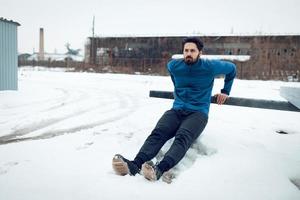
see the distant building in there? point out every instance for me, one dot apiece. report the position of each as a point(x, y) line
point(23, 56)
point(8, 55)
point(271, 56)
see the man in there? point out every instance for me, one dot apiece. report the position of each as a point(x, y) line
point(193, 80)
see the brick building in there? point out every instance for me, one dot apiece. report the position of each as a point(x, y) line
point(271, 57)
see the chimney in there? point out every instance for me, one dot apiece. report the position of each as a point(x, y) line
point(41, 55)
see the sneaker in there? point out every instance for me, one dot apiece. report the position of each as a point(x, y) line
point(151, 172)
point(122, 166)
point(168, 176)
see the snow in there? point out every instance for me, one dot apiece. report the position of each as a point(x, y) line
point(57, 57)
point(241, 58)
point(61, 130)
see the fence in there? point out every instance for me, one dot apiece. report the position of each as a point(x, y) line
point(118, 65)
point(155, 66)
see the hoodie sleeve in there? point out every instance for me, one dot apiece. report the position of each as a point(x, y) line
point(169, 67)
point(224, 68)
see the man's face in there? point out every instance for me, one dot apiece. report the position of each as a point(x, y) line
point(190, 53)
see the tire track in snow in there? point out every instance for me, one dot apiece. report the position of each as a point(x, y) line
point(127, 105)
point(47, 122)
point(31, 108)
point(126, 102)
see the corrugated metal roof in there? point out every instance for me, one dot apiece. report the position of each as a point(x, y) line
point(9, 21)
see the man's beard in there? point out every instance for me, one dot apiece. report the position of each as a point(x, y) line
point(189, 60)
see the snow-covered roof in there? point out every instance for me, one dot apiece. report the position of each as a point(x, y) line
point(56, 57)
point(256, 34)
point(240, 58)
point(9, 21)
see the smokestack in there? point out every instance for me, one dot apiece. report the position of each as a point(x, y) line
point(41, 50)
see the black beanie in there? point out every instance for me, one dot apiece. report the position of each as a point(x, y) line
point(194, 40)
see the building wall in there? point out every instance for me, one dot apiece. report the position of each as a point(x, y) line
point(8, 55)
point(272, 57)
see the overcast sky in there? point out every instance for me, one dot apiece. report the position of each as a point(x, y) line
point(71, 21)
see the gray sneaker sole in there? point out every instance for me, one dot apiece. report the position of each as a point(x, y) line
point(168, 177)
point(148, 172)
point(120, 167)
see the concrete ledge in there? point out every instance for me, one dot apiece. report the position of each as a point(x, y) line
point(236, 101)
point(292, 94)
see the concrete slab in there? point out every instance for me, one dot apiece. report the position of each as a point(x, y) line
point(291, 94)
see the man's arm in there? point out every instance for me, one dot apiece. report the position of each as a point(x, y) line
point(229, 70)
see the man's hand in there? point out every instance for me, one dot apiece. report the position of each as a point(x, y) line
point(221, 98)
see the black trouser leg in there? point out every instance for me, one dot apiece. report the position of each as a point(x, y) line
point(190, 129)
point(164, 130)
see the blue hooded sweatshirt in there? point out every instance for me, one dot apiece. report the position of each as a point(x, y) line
point(193, 83)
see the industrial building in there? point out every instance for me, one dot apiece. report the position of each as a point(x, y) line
point(271, 57)
point(8, 55)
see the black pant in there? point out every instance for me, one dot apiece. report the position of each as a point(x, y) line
point(185, 126)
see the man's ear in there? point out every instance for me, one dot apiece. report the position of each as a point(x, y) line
point(200, 53)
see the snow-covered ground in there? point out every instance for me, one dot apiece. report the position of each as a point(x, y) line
point(59, 132)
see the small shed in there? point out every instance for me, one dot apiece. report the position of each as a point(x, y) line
point(8, 54)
